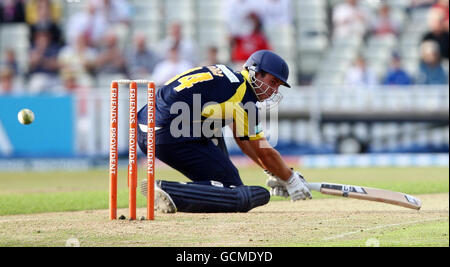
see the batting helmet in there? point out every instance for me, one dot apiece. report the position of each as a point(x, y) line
point(268, 61)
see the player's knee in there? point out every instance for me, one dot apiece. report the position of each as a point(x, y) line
point(251, 197)
point(231, 177)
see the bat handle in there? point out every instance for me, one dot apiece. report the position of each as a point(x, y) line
point(314, 186)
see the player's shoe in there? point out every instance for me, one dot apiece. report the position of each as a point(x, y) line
point(163, 201)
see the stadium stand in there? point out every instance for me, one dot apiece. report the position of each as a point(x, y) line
point(318, 64)
point(16, 37)
point(307, 44)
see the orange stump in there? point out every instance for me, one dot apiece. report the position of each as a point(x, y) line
point(151, 151)
point(132, 146)
point(113, 153)
point(132, 149)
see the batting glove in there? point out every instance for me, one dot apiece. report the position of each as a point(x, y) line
point(277, 186)
point(297, 187)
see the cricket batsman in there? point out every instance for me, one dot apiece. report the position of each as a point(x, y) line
point(191, 110)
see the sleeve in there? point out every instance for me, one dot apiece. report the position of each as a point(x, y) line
point(248, 124)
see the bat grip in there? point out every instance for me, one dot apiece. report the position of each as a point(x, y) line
point(314, 186)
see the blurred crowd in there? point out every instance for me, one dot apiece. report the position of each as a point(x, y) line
point(349, 17)
point(94, 43)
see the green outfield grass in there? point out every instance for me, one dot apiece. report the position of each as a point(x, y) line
point(48, 208)
point(31, 192)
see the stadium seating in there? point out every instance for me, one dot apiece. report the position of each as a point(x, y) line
point(16, 37)
point(312, 34)
point(307, 45)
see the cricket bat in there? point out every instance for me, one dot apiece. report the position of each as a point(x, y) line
point(367, 193)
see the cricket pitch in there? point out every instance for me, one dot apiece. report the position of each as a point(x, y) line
point(321, 222)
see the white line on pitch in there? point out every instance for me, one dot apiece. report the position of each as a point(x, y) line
point(381, 227)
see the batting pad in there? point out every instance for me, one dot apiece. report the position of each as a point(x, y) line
point(208, 198)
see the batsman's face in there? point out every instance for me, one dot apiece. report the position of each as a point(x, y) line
point(266, 85)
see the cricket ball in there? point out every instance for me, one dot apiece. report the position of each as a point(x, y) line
point(25, 116)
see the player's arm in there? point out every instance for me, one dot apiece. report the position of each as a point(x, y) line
point(255, 146)
point(263, 154)
point(268, 158)
point(245, 147)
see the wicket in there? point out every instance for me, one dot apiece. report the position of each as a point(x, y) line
point(132, 157)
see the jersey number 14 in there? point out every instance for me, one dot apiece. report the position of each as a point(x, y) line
point(189, 80)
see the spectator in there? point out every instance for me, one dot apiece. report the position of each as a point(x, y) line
point(33, 7)
point(141, 61)
point(8, 84)
point(360, 75)
point(117, 14)
point(277, 13)
point(71, 85)
point(79, 58)
point(110, 59)
point(12, 11)
point(90, 23)
point(175, 39)
point(438, 32)
point(441, 7)
point(10, 61)
point(211, 56)
point(45, 21)
point(244, 46)
point(236, 14)
point(348, 20)
point(43, 65)
point(421, 4)
point(431, 71)
point(396, 75)
point(383, 23)
point(115, 11)
point(170, 67)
